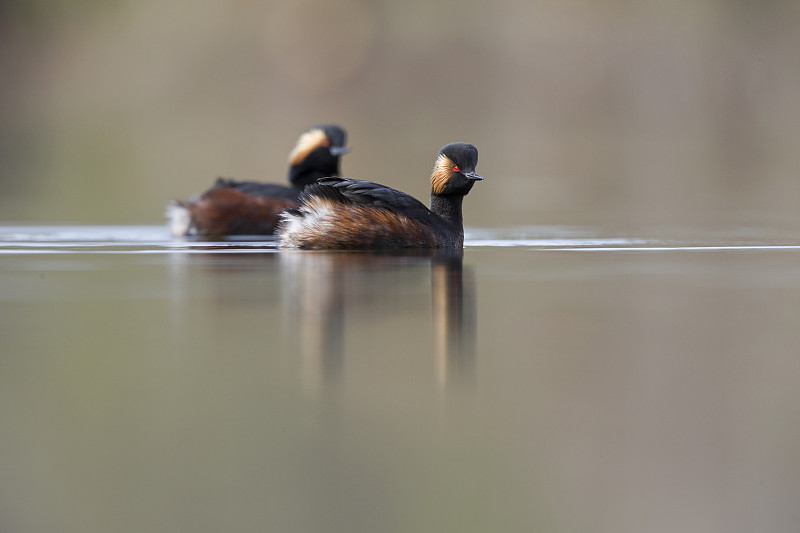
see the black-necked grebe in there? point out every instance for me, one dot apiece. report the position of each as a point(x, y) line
point(350, 214)
point(232, 207)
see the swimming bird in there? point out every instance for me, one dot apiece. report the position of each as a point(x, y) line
point(348, 213)
point(233, 207)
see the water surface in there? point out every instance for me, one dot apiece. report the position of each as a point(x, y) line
point(550, 378)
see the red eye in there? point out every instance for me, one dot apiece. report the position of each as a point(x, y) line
point(326, 143)
point(455, 168)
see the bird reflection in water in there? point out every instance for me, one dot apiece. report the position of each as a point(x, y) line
point(453, 291)
point(313, 301)
point(321, 288)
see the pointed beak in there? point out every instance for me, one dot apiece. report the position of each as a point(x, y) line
point(338, 150)
point(472, 176)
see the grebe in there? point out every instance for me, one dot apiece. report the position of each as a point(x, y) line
point(232, 207)
point(351, 214)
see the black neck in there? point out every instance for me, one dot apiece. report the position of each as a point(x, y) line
point(449, 208)
point(307, 172)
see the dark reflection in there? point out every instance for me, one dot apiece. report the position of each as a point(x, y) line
point(322, 289)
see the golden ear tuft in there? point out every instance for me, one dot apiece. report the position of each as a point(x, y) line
point(307, 143)
point(442, 171)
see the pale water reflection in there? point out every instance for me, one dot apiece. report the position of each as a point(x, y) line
point(550, 378)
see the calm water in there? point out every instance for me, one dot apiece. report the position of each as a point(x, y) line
point(551, 379)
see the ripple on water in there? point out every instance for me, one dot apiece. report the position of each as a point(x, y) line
point(71, 239)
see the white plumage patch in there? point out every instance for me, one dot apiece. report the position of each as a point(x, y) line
point(316, 214)
point(179, 219)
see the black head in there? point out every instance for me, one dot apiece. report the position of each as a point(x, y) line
point(316, 154)
point(337, 137)
point(454, 171)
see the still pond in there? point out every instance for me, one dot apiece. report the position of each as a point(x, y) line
point(548, 379)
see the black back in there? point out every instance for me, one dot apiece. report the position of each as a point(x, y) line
point(264, 190)
point(366, 193)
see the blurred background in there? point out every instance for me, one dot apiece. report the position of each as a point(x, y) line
point(611, 113)
point(146, 387)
